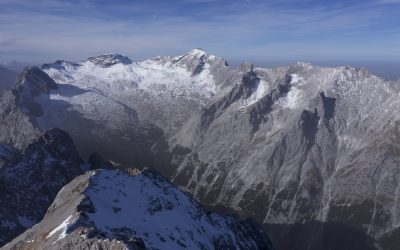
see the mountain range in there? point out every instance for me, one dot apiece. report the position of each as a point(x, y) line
point(309, 152)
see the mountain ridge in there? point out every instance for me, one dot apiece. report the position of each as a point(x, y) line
point(87, 214)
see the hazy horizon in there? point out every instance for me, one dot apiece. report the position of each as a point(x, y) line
point(256, 30)
point(389, 70)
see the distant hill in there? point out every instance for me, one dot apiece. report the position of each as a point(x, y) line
point(7, 78)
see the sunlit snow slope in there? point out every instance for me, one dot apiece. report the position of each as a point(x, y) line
point(133, 210)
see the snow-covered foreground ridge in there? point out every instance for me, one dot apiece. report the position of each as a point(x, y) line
point(135, 210)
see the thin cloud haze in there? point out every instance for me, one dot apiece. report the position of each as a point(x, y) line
point(276, 30)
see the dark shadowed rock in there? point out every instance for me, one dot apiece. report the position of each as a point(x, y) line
point(29, 181)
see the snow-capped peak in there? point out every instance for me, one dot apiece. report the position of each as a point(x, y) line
point(300, 67)
point(107, 60)
point(198, 52)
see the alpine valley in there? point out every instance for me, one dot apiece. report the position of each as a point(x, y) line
point(309, 153)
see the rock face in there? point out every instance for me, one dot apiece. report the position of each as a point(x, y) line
point(110, 209)
point(309, 152)
point(29, 181)
point(16, 127)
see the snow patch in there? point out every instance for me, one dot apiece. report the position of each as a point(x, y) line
point(63, 226)
point(295, 79)
point(260, 91)
point(294, 97)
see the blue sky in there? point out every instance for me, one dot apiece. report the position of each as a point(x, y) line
point(252, 30)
